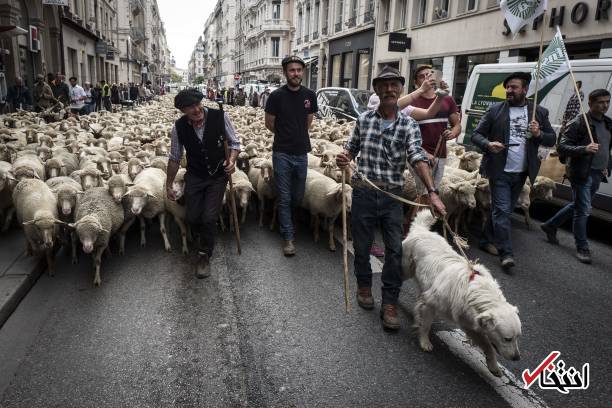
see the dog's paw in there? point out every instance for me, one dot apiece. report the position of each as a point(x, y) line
point(494, 369)
point(425, 345)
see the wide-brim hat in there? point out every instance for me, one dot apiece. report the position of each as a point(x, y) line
point(187, 97)
point(389, 73)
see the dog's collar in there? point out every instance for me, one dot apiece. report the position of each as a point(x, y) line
point(473, 275)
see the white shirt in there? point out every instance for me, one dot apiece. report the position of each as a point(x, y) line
point(77, 97)
point(516, 162)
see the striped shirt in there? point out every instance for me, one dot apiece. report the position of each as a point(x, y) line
point(176, 147)
point(383, 152)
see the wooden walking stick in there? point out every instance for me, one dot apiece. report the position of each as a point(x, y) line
point(232, 196)
point(347, 305)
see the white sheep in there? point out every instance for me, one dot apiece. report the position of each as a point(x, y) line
point(176, 209)
point(28, 165)
point(63, 163)
point(7, 184)
point(457, 197)
point(97, 217)
point(242, 191)
point(261, 176)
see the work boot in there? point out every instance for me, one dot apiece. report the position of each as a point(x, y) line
point(584, 255)
point(288, 248)
point(203, 266)
point(551, 233)
point(364, 298)
point(388, 314)
point(489, 248)
point(507, 263)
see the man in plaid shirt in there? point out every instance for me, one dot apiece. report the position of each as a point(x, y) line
point(384, 139)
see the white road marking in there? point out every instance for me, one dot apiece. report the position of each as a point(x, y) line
point(507, 386)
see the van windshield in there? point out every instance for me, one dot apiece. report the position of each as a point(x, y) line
point(361, 97)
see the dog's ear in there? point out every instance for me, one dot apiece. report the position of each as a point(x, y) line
point(486, 320)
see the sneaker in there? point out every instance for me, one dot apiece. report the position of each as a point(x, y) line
point(377, 251)
point(551, 233)
point(364, 298)
point(388, 314)
point(584, 255)
point(203, 266)
point(288, 248)
point(507, 262)
point(489, 248)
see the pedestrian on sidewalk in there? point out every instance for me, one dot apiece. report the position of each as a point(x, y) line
point(510, 141)
point(77, 97)
point(200, 132)
point(289, 113)
point(588, 164)
point(18, 96)
point(42, 94)
point(106, 96)
point(263, 98)
point(240, 97)
point(89, 100)
point(385, 140)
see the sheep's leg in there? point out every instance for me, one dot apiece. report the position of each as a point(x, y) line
point(316, 228)
point(162, 229)
point(8, 219)
point(331, 225)
point(183, 229)
point(274, 215)
point(126, 226)
point(97, 260)
point(29, 250)
point(244, 212)
point(261, 211)
point(527, 218)
point(143, 238)
point(73, 242)
point(189, 233)
point(50, 261)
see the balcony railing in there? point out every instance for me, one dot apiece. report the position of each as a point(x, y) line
point(351, 22)
point(298, 41)
point(306, 38)
point(315, 35)
point(324, 30)
point(136, 6)
point(368, 16)
point(138, 34)
point(338, 27)
point(261, 62)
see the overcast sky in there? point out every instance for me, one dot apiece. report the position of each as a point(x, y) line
point(184, 21)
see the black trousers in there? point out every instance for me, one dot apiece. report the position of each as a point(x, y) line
point(203, 201)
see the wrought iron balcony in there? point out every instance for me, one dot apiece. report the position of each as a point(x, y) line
point(338, 27)
point(315, 35)
point(306, 38)
point(324, 30)
point(368, 16)
point(351, 22)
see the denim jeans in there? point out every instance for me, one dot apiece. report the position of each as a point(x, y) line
point(290, 177)
point(369, 209)
point(579, 209)
point(505, 191)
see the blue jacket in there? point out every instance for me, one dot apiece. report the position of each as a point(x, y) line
point(495, 127)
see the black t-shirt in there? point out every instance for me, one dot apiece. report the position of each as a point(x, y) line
point(291, 110)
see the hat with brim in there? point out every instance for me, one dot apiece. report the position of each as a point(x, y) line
point(389, 73)
point(525, 76)
point(187, 97)
point(292, 58)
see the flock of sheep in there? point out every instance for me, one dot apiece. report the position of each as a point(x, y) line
point(89, 179)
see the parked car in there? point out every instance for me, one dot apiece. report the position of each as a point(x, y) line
point(342, 103)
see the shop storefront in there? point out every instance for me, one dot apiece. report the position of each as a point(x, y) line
point(350, 61)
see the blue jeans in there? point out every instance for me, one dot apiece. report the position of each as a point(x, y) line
point(370, 208)
point(579, 209)
point(505, 191)
point(290, 177)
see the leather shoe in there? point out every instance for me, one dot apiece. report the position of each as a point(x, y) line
point(289, 248)
point(203, 266)
point(364, 298)
point(551, 233)
point(489, 248)
point(388, 314)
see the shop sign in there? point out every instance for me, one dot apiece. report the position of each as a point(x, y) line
point(101, 48)
point(56, 2)
point(398, 42)
point(577, 15)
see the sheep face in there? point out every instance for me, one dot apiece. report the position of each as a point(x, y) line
point(524, 201)
point(88, 229)
point(465, 194)
point(53, 168)
point(22, 173)
point(44, 153)
point(543, 188)
point(243, 194)
point(134, 167)
point(266, 173)
point(161, 150)
point(91, 179)
point(66, 201)
point(45, 231)
point(178, 186)
point(137, 200)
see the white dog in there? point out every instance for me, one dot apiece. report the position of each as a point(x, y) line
point(465, 295)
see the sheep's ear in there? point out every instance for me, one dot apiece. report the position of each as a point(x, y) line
point(36, 175)
point(9, 176)
point(71, 225)
point(105, 231)
point(28, 222)
point(150, 195)
point(127, 193)
point(129, 184)
point(59, 222)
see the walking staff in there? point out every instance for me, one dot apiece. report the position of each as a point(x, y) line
point(200, 131)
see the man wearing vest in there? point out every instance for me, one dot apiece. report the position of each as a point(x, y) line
point(201, 132)
point(106, 96)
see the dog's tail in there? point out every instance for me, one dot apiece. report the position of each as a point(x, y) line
point(424, 219)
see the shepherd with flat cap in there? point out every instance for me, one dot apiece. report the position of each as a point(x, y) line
point(200, 131)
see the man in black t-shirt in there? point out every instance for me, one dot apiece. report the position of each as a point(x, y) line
point(289, 113)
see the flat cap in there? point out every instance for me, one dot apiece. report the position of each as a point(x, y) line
point(389, 73)
point(187, 97)
point(525, 76)
point(292, 58)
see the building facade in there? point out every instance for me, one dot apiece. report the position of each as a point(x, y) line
point(196, 62)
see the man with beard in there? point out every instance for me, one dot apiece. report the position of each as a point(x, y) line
point(510, 141)
point(385, 140)
point(289, 113)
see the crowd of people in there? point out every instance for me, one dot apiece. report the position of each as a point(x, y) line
point(82, 98)
point(238, 97)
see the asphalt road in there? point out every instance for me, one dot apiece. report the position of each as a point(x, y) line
point(269, 331)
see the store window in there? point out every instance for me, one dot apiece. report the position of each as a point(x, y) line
point(336, 66)
point(440, 10)
point(347, 70)
point(464, 65)
point(420, 12)
point(467, 6)
point(363, 69)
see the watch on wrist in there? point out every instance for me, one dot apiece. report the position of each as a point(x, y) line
point(432, 190)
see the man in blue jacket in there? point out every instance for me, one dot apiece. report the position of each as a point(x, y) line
point(510, 141)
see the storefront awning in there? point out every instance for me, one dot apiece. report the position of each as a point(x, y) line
point(310, 60)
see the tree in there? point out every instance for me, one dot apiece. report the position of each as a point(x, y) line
point(175, 77)
point(199, 80)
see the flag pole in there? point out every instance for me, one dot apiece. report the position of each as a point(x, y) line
point(586, 120)
point(537, 78)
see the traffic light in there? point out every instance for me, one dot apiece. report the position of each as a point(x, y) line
point(34, 40)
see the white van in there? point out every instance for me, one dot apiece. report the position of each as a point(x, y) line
point(485, 87)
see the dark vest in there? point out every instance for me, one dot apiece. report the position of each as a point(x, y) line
point(204, 159)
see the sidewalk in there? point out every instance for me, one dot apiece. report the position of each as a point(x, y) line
point(18, 272)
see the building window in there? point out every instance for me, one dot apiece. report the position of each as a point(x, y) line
point(400, 15)
point(440, 11)
point(276, 10)
point(467, 6)
point(420, 12)
point(353, 13)
point(336, 65)
point(363, 69)
point(275, 46)
point(339, 15)
point(316, 17)
point(369, 12)
point(385, 12)
point(307, 32)
point(347, 70)
point(299, 27)
point(324, 28)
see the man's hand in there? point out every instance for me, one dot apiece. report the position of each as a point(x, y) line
point(229, 166)
point(495, 147)
point(170, 193)
point(428, 83)
point(448, 134)
point(437, 206)
point(534, 128)
point(343, 159)
point(592, 148)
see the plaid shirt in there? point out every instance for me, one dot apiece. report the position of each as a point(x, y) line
point(383, 152)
